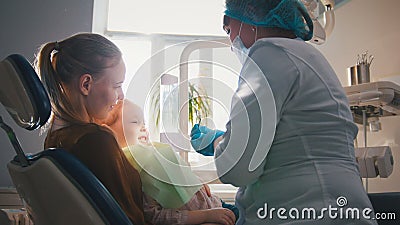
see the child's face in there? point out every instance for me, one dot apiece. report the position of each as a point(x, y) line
point(133, 124)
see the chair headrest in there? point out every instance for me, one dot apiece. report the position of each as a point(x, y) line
point(22, 93)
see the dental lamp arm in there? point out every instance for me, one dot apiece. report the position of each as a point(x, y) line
point(329, 16)
point(322, 32)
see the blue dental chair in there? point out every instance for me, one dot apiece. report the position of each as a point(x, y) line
point(56, 187)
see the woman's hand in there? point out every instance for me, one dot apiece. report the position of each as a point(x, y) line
point(221, 216)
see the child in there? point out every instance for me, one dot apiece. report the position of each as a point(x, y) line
point(197, 206)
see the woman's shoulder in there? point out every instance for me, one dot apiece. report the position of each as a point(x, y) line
point(97, 132)
point(92, 127)
point(275, 47)
point(70, 135)
point(87, 129)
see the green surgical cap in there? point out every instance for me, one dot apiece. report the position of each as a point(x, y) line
point(285, 14)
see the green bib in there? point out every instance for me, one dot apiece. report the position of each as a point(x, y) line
point(165, 176)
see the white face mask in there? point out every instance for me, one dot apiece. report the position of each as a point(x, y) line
point(239, 48)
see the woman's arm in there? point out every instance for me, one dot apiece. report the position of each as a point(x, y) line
point(240, 154)
point(100, 152)
point(267, 83)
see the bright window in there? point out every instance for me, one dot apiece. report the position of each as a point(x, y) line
point(182, 17)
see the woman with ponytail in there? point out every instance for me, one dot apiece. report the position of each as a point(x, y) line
point(83, 75)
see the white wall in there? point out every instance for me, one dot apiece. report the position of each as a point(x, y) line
point(371, 25)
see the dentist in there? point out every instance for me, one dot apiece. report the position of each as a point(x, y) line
point(288, 144)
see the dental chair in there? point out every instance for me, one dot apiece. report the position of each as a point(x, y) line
point(56, 187)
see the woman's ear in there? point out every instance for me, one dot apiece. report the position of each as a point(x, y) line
point(85, 84)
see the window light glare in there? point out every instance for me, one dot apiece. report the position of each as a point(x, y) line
point(177, 17)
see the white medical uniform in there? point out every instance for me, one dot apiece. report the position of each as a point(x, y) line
point(310, 161)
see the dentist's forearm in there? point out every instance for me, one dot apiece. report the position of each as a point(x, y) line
point(216, 141)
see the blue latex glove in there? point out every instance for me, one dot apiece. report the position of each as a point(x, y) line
point(202, 139)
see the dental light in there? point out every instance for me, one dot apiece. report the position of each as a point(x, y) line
point(321, 32)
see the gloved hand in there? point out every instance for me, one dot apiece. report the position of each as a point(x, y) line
point(202, 139)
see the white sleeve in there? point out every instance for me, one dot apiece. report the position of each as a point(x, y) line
point(255, 111)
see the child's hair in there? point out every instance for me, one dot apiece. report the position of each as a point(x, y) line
point(60, 64)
